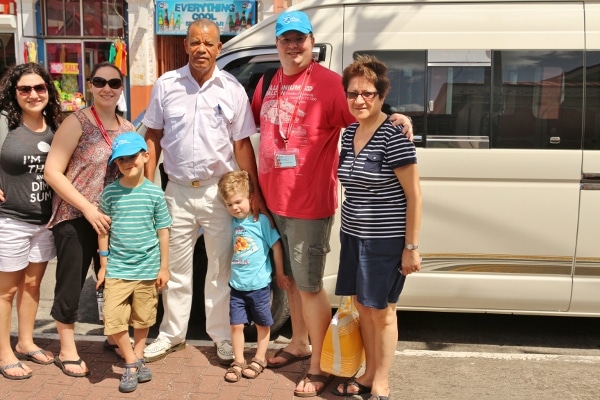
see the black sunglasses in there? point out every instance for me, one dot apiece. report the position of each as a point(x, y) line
point(39, 89)
point(99, 83)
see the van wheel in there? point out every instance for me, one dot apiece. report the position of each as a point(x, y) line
point(279, 309)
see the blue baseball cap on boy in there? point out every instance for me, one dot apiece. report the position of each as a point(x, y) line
point(292, 21)
point(127, 144)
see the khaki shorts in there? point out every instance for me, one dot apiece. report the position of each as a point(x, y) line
point(129, 303)
point(305, 244)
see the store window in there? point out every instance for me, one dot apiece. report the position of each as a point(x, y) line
point(84, 17)
point(7, 52)
point(70, 65)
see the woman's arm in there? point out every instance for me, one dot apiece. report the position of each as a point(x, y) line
point(408, 176)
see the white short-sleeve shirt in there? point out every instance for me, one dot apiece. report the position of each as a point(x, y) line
point(199, 124)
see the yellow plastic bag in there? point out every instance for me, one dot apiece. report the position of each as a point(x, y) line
point(343, 352)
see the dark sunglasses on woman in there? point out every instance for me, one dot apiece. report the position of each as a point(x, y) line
point(39, 89)
point(99, 83)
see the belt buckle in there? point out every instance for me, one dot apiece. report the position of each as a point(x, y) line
point(195, 184)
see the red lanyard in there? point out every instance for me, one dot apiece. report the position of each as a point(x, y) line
point(101, 126)
point(286, 136)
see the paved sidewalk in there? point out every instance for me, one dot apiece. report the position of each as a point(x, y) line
point(193, 373)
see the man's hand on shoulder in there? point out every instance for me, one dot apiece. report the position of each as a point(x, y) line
point(406, 123)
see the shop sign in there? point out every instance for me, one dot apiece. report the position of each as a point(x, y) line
point(64, 68)
point(232, 16)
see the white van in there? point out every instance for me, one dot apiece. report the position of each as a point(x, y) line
point(505, 99)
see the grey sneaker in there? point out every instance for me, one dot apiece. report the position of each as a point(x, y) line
point(224, 352)
point(144, 373)
point(159, 349)
point(129, 380)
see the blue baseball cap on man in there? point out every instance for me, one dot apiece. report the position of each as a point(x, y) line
point(292, 21)
point(127, 144)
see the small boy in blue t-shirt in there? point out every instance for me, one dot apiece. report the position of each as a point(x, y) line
point(251, 271)
point(133, 255)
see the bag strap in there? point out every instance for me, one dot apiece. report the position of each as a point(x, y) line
point(267, 78)
point(343, 300)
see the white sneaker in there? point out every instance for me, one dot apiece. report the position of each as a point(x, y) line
point(224, 352)
point(159, 349)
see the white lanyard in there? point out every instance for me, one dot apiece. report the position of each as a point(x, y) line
point(286, 136)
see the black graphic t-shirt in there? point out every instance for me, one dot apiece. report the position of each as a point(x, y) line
point(28, 196)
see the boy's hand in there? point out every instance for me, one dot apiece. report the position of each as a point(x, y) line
point(283, 281)
point(101, 276)
point(162, 278)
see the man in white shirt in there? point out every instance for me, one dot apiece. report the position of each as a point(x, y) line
point(200, 116)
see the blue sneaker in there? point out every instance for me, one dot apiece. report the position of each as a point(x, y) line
point(129, 380)
point(144, 373)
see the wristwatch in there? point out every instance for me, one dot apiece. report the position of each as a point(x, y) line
point(411, 246)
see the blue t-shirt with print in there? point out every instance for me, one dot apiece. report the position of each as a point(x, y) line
point(251, 265)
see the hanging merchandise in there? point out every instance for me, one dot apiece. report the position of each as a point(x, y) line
point(33, 54)
point(30, 52)
point(111, 53)
point(124, 59)
point(119, 60)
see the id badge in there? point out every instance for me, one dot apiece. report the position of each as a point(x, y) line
point(286, 158)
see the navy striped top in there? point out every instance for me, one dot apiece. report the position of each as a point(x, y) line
point(374, 205)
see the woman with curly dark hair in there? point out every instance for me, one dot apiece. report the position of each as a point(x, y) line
point(29, 116)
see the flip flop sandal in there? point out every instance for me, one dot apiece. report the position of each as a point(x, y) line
point(235, 368)
point(30, 356)
point(362, 389)
point(288, 357)
point(314, 378)
point(62, 365)
point(257, 366)
point(14, 377)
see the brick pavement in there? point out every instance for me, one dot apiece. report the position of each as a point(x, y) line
point(193, 373)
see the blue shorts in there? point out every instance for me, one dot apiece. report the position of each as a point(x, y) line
point(251, 306)
point(369, 269)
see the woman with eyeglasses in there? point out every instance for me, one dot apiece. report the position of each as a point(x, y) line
point(381, 216)
point(77, 169)
point(30, 112)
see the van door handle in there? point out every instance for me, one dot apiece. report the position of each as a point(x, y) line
point(590, 181)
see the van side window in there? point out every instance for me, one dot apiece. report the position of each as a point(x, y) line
point(497, 99)
point(406, 71)
point(591, 134)
point(538, 99)
point(248, 71)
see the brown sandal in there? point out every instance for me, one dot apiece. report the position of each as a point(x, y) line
point(235, 368)
point(257, 366)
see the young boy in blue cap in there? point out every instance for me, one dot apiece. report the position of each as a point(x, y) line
point(133, 255)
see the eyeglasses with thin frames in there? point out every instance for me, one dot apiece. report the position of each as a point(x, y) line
point(26, 89)
point(298, 40)
point(364, 95)
point(99, 83)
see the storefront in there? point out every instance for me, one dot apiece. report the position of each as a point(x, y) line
point(8, 30)
point(76, 35)
point(172, 18)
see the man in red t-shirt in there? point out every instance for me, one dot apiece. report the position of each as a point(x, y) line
point(300, 117)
